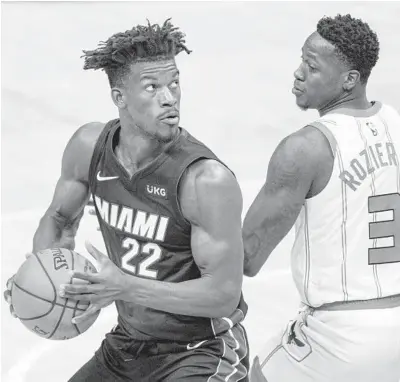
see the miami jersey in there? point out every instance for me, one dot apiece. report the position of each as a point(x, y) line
point(347, 244)
point(147, 236)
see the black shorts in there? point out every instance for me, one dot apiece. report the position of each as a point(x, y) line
point(223, 358)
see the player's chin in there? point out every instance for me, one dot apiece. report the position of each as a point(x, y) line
point(303, 108)
point(302, 102)
point(166, 131)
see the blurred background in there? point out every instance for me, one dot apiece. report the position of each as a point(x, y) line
point(236, 98)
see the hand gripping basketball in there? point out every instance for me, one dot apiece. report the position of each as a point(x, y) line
point(105, 287)
point(7, 292)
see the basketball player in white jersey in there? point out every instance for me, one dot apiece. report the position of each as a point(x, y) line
point(338, 181)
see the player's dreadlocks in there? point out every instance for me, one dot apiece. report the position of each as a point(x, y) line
point(356, 44)
point(141, 43)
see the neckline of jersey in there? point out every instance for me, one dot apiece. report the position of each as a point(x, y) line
point(151, 166)
point(374, 109)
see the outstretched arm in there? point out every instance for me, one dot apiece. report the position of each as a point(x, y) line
point(291, 171)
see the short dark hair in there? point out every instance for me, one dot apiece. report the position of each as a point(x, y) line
point(356, 44)
point(141, 43)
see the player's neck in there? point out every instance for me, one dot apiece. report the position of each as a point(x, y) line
point(135, 148)
point(356, 100)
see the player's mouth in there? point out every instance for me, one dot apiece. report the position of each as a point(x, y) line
point(296, 91)
point(170, 118)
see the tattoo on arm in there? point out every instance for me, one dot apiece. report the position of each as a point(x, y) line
point(251, 246)
point(277, 205)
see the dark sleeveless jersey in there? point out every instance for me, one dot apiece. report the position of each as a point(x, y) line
point(146, 235)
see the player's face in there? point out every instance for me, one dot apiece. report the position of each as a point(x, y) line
point(153, 97)
point(319, 78)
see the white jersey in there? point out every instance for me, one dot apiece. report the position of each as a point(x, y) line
point(347, 244)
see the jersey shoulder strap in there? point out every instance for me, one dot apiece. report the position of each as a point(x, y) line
point(98, 151)
point(319, 125)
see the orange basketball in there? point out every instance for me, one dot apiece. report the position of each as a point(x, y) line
point(35, 295)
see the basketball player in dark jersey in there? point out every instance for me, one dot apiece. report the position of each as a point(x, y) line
point(170, 215)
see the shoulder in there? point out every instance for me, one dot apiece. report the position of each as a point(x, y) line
point(298, 160)
point(79, 150)
point(210, 170)
point(208, 184)
point(307, 146)
point(209, 173)
point(304, 140)
point(85, 137)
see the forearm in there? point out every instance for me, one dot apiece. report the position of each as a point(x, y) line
point(201, 297)
point(54, 232)
point(259, 243)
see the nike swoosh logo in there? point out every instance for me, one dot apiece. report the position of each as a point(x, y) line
point(191, 347)
point(102, 178)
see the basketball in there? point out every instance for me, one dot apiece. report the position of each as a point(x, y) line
point(35, 295)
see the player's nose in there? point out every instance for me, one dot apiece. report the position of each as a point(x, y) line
point(298, 74)
point(167, 98)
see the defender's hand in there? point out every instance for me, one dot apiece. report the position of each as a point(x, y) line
point(105, 287)
point(7, 292)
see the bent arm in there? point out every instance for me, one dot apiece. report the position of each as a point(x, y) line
point(273, 213)
point(58, 226)
point(211, 200)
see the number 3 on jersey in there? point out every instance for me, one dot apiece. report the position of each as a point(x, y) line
point(382, 229)
point(135, 249)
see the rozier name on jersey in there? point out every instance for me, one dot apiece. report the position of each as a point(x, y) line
point(133, 221)
point(369, 160)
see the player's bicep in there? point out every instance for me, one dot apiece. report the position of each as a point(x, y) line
point(69, 199)
point(72, 190)
point(215, 213)
point(289, 179)
point(216, 254)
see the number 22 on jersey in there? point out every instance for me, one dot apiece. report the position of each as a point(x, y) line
point(384, 229)
point(135, 249)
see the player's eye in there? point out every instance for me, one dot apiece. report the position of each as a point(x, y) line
point(174, 84)
point(150, 88)
point(312, 68)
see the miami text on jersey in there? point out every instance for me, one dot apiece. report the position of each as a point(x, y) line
point(132, 221)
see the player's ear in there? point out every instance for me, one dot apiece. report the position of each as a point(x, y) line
point(119, 98)
point(352, 77)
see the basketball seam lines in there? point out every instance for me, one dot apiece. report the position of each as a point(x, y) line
point(44, 299)
point(33, 295)
point(59, 320)
point(48, 276)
